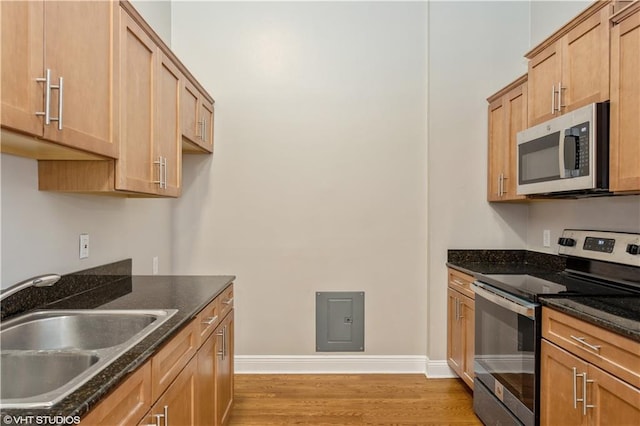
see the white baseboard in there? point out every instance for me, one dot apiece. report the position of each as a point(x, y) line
point(345, 364)
point(439, 369)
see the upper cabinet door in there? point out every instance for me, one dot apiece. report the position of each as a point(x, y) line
point(571, 68)
point(544, 76)
point(507, 116)
point(79, 51)
point(197, 120)
point(22, 64)
point(624, 174)
point(585, 62)
point(137, 170)
point(167, 126)
point(58, 72)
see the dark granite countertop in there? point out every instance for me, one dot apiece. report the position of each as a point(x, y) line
point(474, 262)
point(618, 314)
point(188, 294)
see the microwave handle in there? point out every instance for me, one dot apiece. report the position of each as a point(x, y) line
point(561, 157)
point(569, 150)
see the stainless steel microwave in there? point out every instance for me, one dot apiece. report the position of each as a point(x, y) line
point(567, 155)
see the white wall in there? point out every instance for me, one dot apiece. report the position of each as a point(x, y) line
point(474, 50)
point(157, 13)
point(318, 178)
point(40, 230)
point(548, 16)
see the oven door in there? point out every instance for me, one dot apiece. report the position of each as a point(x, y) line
point(507, 346)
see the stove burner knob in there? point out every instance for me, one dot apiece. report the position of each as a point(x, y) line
point(633, 248)
point(566, 242)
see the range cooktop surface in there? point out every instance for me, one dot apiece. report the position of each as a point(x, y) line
point(599, 263)
point(559, 284)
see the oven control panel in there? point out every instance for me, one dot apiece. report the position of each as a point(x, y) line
point(618, 247)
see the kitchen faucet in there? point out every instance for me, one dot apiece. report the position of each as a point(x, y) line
point(39, 281)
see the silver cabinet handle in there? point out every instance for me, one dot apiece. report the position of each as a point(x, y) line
point(162, 172)
point(159, 163)
point(575, 388)
point(204, 129)
point(60, 89)
point(210, 320)
point(589, 345)
point(228, 301)
point(201, 128)
point(222, 333)
point(225, 343)
point(165, 172)
point(458, 282)
point(47, 97)
point(576, 399)
point(166, 415)
point(585, 405)
point(553, 99)
point(560, 96)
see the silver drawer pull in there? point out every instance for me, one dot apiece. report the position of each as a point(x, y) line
point(458, 282)
point(590, 346)
point(210, 320)
point(228, 301)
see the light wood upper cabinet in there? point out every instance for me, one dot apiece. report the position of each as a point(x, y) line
point(571, 68)
point(197, 120)
point(624, 175)
point(135, 170)
point(507, 116)
point(167, 132)
point(150, 158)
point(73, 44)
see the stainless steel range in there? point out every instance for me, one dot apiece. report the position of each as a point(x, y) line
point(507, 318)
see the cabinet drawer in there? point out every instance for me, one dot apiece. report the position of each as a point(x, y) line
point(226, 301)
point(167, 363)
point(461, 282)
point(611, 352)
point(208, 319)
point(127, 404)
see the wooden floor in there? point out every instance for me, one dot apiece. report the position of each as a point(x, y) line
point(370, 399)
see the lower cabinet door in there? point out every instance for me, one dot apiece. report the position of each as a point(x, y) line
point(560, 388)
point(224, 370)
point(610, 401)
point(206, 388)
point(177, 406)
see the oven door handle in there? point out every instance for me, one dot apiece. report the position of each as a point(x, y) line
point(522, 308)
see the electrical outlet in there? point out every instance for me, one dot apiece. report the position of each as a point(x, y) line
point(546, 238)
point(84, 246)
point(154, 269)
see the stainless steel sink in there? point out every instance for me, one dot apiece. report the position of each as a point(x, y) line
point(26, 374)
point(68, 329)
point(46, 355)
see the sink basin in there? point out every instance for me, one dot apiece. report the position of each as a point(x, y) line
point(26, 374)
point(62, 330)
point(46, 355)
